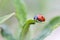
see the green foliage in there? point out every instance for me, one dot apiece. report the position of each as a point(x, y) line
point(25, 28)
point(6, 33)
point(20, 11)
point(6, 17)
point(4, 30)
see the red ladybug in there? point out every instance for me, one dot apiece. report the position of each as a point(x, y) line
point(39, 18)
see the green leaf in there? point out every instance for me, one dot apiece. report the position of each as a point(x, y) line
point(25, 28)
point(6, 17)
point(6, 33)
point(20, 11)
point(54, 23)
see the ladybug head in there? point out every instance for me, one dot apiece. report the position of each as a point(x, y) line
point(35, 18)
point(39, 18)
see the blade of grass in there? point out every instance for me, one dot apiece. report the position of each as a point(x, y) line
point(6, 17)
point(20, 11)
point(54, 23)
point(20, 15)
point(25, 28)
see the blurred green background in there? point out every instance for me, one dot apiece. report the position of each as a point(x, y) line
point(48, 8)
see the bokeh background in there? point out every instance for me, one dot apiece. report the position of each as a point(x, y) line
point(48, 8)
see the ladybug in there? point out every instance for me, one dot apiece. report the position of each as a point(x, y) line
point(40, 18)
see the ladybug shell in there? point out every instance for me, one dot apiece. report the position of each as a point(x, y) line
point(41, 18)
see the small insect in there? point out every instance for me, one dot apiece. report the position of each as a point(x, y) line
point(39, 18)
